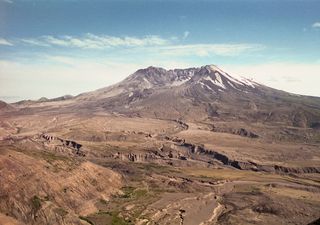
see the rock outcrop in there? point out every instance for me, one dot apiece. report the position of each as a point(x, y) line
point(241, 132)
point(136, 157)
point(66, 143)
point(245, 165)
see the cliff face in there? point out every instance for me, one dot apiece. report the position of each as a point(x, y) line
point(76, 147)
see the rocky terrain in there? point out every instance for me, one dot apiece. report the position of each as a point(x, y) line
point(183, 146)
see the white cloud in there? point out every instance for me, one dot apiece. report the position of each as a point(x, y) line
point(91, 41)
point(186, 34)
point(5, 42)
point(7, 1)
point(34, 42)
point(210, 49)
point(316, 25)
point(72, 73)
point(150, 43)
point(56, 41)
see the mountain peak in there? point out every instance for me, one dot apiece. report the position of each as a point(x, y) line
point(208, 76)
point(218, 77)
point(213, 68)
point(159, 70)
point(151, 70)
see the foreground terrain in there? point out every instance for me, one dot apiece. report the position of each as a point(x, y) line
point(75, 161)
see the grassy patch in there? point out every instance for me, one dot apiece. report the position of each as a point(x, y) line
point(139, 197)
point(127, 192)
point(116, 220)
point(35, 205)
point(133, 193)
point(140, 193)
point(50, 157)
point(36, 202)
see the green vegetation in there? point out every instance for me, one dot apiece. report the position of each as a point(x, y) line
point(133, 193)
point(50, 157)
point(110, 211)
point(110, 218)
point(116, 220)
point(35, 205)
point(140, 193)
point(127, 192)
point(36, 202)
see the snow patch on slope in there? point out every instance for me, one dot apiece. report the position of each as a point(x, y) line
point(240, 80)
point(206, 86)
point(179, 82)
point(218, 81)
point(234, 78)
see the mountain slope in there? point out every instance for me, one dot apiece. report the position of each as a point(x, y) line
point(194, 94)
point(5, 106)
point(200, 94)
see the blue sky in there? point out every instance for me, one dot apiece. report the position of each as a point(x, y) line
point(56, 47)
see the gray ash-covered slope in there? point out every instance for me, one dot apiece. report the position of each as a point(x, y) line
point(193, 94)
point(6, 106)
point(199, 94)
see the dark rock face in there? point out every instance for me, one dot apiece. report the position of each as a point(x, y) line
point(316, 222)
point(283, 169)
point(241, 165)
point(176, 140)
point(315, 125)
point(66, 143)
point(242, 132)
point(182, 124)
point(135, 157)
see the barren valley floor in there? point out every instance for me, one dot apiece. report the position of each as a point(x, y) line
point(114, 169)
